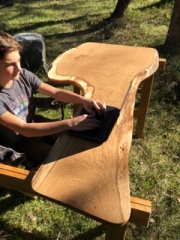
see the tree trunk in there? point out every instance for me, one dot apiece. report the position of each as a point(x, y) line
point(120, 8)
point(172, 42)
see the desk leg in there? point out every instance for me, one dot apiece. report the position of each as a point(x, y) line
point(115, 232)
point(140, 113)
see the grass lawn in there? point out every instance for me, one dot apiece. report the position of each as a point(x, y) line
point(154, 160)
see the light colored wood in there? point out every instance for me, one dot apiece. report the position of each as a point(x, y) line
point(91, 178)
point(140, 211)
point(93, 67)
point(20, 180)
point(87, 177)
point(140, 215)
point(145, 93)
point(140, 113)
point(162, 63)
point(16, 179)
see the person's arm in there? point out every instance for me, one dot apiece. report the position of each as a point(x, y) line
point(70, 97)
point(80, 123)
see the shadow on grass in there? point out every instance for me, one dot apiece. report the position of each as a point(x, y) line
point(5, 4)
point(105, 25)
point(9, 199)
point(9, 232)
point(90, 234)
point(159, 4)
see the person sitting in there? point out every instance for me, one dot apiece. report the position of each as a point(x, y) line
point(18, 128)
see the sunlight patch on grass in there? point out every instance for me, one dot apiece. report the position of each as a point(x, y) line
point(159, 31)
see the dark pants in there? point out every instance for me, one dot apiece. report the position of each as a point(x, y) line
point(36, 149)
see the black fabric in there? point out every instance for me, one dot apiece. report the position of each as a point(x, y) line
point(100, 134)
point(10, 157)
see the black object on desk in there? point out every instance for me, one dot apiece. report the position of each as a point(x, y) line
point(100, 134)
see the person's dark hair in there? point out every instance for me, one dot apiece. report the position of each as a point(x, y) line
point(8, 44)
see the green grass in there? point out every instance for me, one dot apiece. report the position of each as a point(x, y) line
point(154, 159)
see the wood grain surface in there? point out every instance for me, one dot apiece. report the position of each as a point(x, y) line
point(88, 177)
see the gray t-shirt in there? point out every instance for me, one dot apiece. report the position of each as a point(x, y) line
point(18, 100)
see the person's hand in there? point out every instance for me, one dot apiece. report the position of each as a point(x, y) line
point(94, 107)
point(84, 122)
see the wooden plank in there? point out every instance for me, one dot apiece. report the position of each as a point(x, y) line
point(140, 211)
point(16, 179)
point(141, 201)
point(145, 92)
point(115, 232)
point(162, 63)
point(140, 113)
point(140, 215)
point(13, 171)
point(20, 180)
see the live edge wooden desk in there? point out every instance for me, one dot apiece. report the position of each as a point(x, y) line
point(93, 179)
point(88, 177)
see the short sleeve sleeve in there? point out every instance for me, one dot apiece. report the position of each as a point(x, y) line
point(32, 79)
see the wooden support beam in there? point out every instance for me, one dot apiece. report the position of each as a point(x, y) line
point(162, 63)
point(140, 211)
point(140, 215)
point(20, 180)
point(115, 232)
point(16, 179)
point(140, 113)
point(144, 92)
